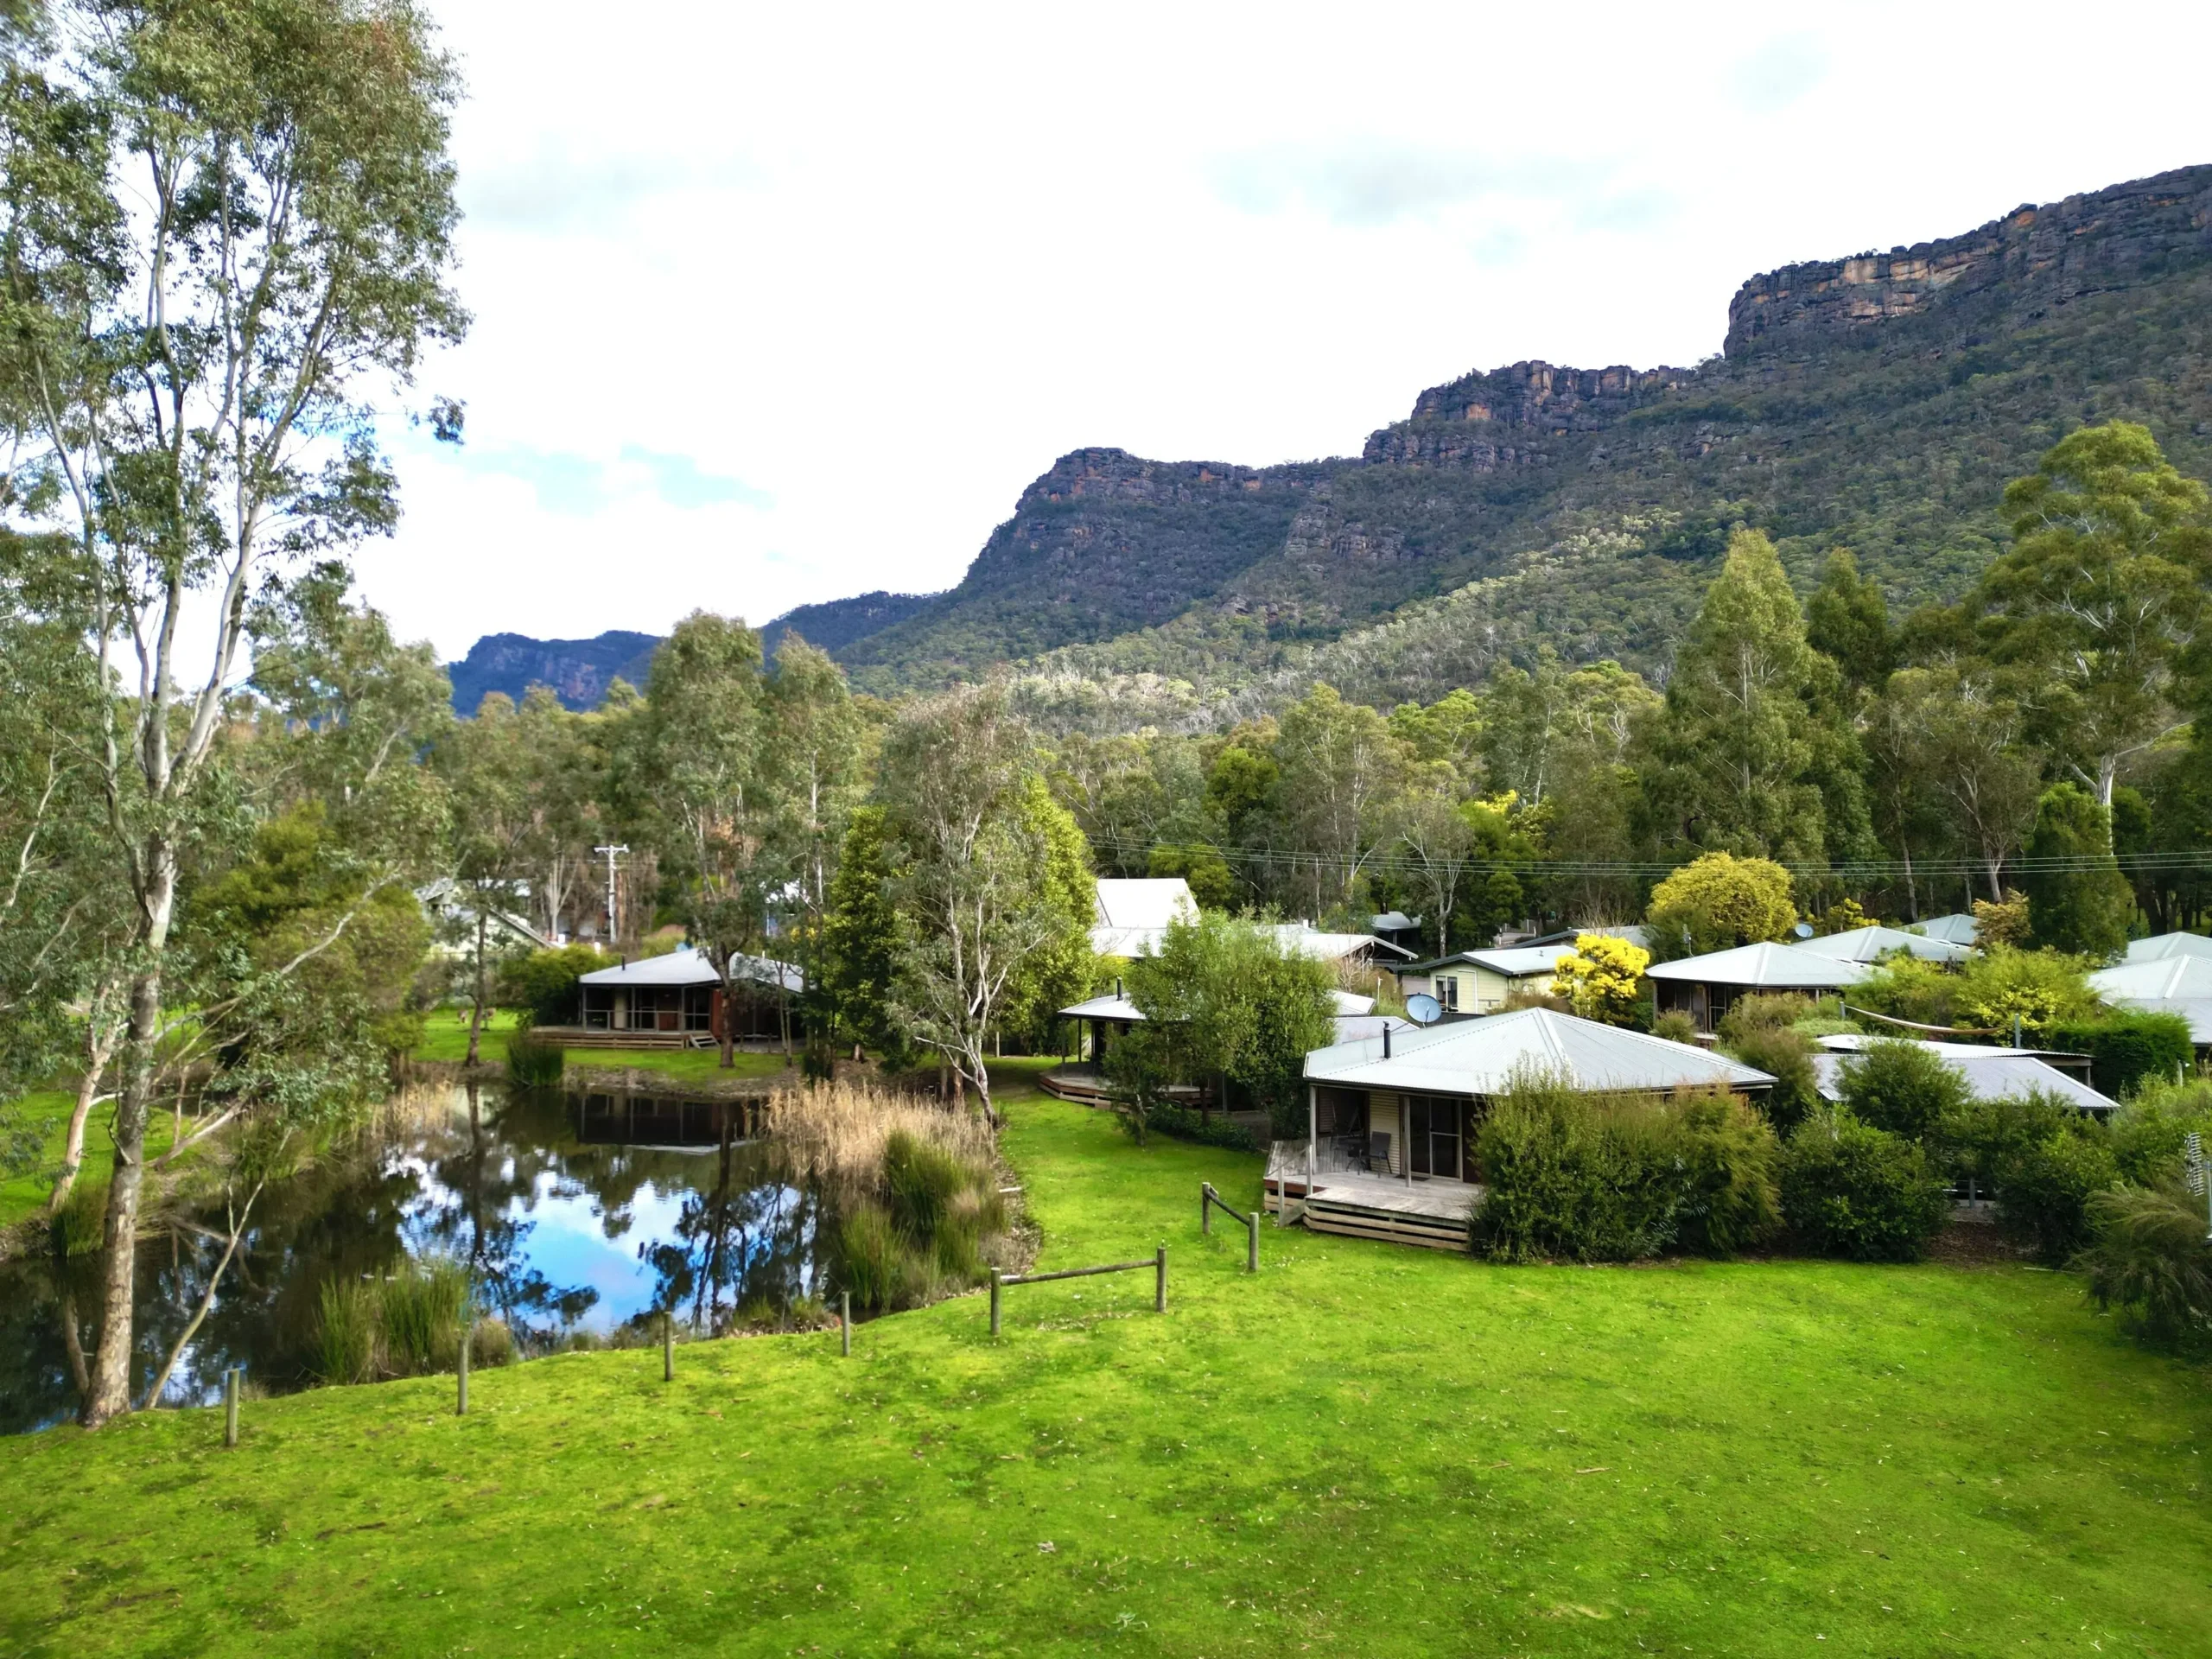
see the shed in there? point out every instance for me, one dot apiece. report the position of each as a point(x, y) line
point(1706, 987)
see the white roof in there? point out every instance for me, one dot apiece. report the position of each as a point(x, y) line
point(1872, 943)
point(2156, 980)
point(1957, 928)
point(1127, 941)
point(1482, 1057)
point(1307, 941)
point(1349, 1002)
point(1105, 1007)
point(1392, 921)
point(1351, 1027)
point(1763, 968)
point(1990, 1073)
point(1145, 901)
point(688, 966)
point(2160, 946)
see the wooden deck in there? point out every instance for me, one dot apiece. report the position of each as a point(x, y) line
point(1432, 1213)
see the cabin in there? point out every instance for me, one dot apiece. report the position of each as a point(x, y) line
point(1479, 982)
point(1957, 928)
point(678, 1000)
point(1706, 987)
point(1873, 943)
point(1397, 928)
point(1391, 1119)
point(1988, 1073)
point(2176, 980)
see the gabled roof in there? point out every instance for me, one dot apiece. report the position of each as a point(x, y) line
point(1482, 1057)
point(1513, 961)
point(1763, 968)
point(1957, 928)
point(2161, 946)
point(1392, 921)
point(2156, 980)
point(690, 966)
point(1634, 932)
point(1145, 901)
point(1990, 1074)
point(1349, 1002)
point(1872, 943)
point(1308, 941)
point(1115, 1007)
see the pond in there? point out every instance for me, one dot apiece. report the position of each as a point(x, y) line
point(574, 1213)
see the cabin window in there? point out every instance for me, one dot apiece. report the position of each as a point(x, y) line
point(1436, 1135)
point(1447, 991)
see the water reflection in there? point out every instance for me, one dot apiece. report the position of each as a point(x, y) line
point(573, 1212)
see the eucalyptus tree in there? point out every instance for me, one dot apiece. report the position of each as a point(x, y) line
point(223, 229)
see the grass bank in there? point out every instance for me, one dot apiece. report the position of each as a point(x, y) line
point(23, 1195)
point(445, 1038)
point(1366, 1449)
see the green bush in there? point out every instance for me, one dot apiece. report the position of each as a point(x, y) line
point(1676, 1026)
point(2128, 1048)
point(1849, 1189)
point(534, 1062)
point(1763, 1011)
point(421, 1310)
point(1596, 1179)
point(870, 1257)
point(2045, 1161)
point(541, 985)
point(1786, 1057)
point(1902, 1088)
point(2148, 1131)
point(2151, 1260)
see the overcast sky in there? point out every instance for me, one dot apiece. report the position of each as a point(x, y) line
point(781, 303)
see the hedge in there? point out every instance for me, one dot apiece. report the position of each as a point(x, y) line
point(2125, 1047)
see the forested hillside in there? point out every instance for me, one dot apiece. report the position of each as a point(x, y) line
point(1878, 403)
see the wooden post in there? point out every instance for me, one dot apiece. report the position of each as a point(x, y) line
point(460, 1398)
point(230, 1406)
point(1252, 1243)
point(1160, 1280)
point(1206, 1210)
point(845, 1321)
point(995, 1302)
point(1312, 1134)
point(668, 1346)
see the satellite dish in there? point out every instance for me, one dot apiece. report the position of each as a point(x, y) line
point(1803, 930)
point(1423, 1009)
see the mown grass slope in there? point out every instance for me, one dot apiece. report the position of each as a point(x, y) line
point(1366, 1449)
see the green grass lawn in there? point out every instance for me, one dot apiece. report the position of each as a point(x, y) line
point(25, 1193)
point(1365, 1449)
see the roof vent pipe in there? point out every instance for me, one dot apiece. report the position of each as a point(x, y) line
point(1117, 985)
point(1385, 1039)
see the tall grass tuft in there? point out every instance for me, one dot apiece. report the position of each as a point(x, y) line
point(423, 1307)
point(79, 1229)
point(534, 1062)
point(835, 1135)
point(346, 1333)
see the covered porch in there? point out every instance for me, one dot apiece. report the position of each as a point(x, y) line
point(1379, 1164)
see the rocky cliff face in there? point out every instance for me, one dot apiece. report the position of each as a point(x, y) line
point(2045, 256)
point(578, 670)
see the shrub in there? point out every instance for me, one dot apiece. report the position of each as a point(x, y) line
point(1849, 1189)
point(1676, 1026)
point(1717, 901)
point(422, 1308)
point(1728, 1156)
point(1603, 980)
point(1902, 1088)
point(922, 1179)
point(1986, 992)
point(1763, 1011)
point(2151, 1260)
point(1598, 1179)
point(2127, 1048)
point(2045, 1161)
point(870, 1258)
point(534, 1062)
point(2147, 1133)
point(541, 985)
point(1788, 1057)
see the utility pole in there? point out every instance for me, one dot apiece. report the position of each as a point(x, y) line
point(613, 927)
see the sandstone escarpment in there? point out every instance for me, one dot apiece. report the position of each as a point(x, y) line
point(2046, 255)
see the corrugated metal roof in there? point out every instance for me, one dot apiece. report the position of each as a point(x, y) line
point(1482, 1057)
point(1957, 928)
point(2161, 946)
point(1990, 1074)
point(2158, 980)
point(1105, 1007)
point(1150, 901)
point(1763, 968)
point(1872, 943)
point(690, 966)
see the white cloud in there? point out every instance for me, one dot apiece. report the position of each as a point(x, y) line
point(777, 305)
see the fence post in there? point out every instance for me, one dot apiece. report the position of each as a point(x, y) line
point(1160, 1280)
point(845, 1321)
point(460, 1398)
point(668, 1346)
point(995, 1302)
point(1252, 1243)
point(230, 1406)
point(1205, 1208)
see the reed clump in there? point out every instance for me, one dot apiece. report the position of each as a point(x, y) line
point(409, 1323)
point(915, 1188)
point(534, 1062)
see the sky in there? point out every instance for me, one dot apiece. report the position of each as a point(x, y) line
point(777, 305)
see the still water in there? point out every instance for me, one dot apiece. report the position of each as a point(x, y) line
point(573, 1212)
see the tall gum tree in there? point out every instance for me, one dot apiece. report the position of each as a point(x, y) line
point(223, 229)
